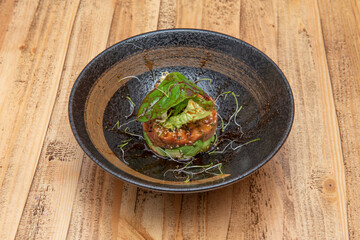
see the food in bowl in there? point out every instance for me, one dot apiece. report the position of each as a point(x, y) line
point(179, 119)
point(181, 123)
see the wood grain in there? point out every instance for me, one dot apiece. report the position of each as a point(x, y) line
point(51, 190)
point(6, 13)
point(48, 209)
point(342, 45)
point(167, 14)
point(31, 58)
point(319, 190)
point(84, 44)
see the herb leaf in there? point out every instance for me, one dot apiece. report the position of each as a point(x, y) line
point(177, 89)
point(181, 106)
point(207, 105)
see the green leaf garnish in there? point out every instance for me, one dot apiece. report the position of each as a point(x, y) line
point(173, 90)
point(181, 106)
point(207, 105)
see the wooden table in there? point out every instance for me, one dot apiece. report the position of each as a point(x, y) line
point(51, 190)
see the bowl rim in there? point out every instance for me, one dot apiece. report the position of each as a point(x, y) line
point(196, 188)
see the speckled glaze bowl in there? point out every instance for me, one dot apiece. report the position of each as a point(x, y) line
point(98, 101)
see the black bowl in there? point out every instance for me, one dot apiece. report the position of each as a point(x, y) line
point(98, 106)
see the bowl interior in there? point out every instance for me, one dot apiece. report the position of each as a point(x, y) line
point(99, 104)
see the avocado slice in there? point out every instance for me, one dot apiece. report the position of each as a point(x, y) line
point(183, 152)
point(191, 113)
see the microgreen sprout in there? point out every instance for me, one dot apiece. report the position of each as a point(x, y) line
point(131, 102)
point(127, 77)
point(224, 149)
point(191, 171)
point(132, 134)
point(224, 93)
point(173, 159)
point(187, 179)
point(241, 145)
point(220, 169)
point(234, 115)
point(121, 147)
point(218, 166)
point(222, 122)
point(128, 122)
point(116, 125)
point(204, 79)
point(230, 144)
point(216, 139)
point(132, 106)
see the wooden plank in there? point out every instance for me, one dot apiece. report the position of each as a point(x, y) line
point(6, 13)
point(316, 167)
point(48, 208)
point(188, 14)
point(32, 54)
point(167, 14)
point(132, 18)
point(341, 29)
point(90, 204)
point(274, 199)
point(95, 211)
point(222, 16)
point(102, 199)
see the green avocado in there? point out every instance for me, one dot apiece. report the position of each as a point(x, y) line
point(183, 152)
point(191, 113)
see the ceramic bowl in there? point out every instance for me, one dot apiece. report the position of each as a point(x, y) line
point(103, 120)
